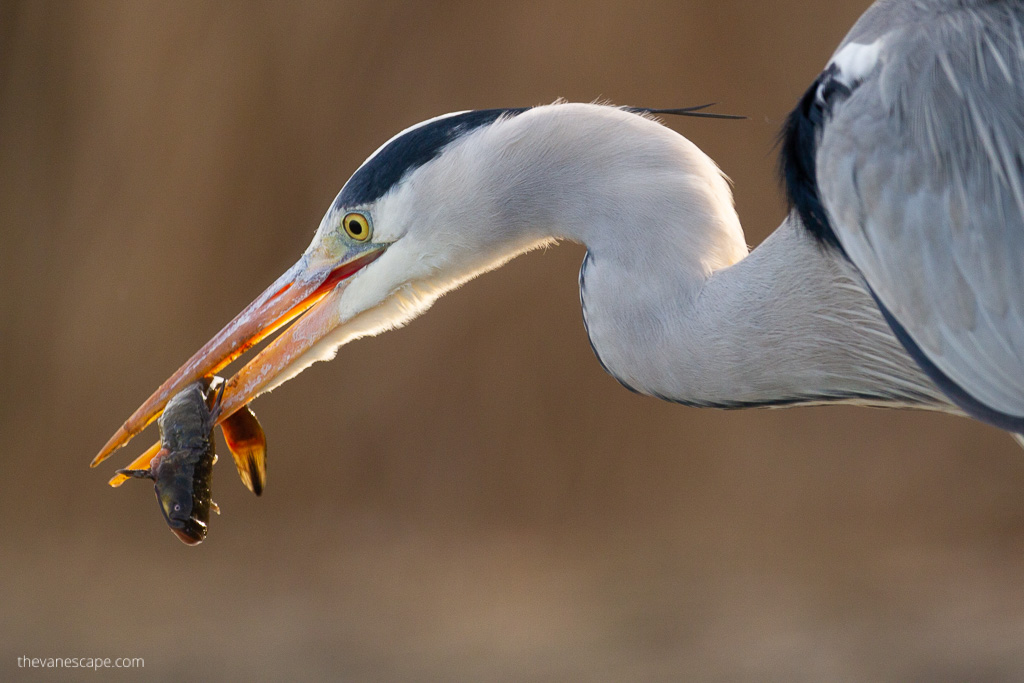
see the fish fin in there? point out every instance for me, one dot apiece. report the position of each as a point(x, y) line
point(216, 384)
point(248, 445)
point(141, 463)
point(137, 474)
point(214, 506)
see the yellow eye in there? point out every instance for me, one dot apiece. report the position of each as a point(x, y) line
point(357, 226)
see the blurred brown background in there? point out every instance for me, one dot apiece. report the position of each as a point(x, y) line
point(471, 497)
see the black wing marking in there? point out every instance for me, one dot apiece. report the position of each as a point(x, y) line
point(798, 148)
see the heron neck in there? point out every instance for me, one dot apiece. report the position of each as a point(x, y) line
point(673, 305)
point(788, 324)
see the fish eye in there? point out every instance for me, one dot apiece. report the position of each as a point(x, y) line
point(177, 507)
point(357, 226)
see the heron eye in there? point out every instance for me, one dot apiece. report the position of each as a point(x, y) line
point(357, 226)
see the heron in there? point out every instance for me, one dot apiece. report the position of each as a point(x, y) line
point(896, 279)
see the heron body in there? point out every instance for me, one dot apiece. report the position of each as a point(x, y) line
point(897, 279)
point(914, 136)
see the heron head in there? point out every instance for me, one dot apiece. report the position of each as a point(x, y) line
point(389, 245)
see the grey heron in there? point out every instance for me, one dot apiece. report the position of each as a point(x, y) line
point(897, 279)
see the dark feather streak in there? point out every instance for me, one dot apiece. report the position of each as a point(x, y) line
point(798, 142)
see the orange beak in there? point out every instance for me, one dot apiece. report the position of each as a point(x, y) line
point(310, 289)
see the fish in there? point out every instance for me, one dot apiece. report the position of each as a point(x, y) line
point(182, 469)
point(181, 463)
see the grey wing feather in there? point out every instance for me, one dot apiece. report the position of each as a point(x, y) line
point(921, 171)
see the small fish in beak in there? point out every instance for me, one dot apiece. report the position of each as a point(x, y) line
point(182, 467)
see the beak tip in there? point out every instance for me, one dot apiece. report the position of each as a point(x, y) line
point(115, 442)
